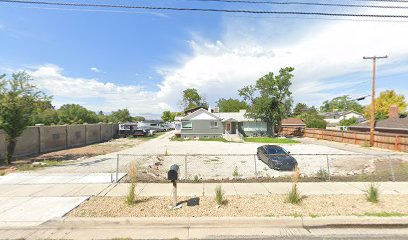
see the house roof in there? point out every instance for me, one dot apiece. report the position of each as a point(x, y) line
point(338, 114)
point(237, 116)
point(200, 112)
point(191, 110)
point(389, 123)
point(293, 121)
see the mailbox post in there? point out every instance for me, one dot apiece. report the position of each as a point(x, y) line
point(173, 175)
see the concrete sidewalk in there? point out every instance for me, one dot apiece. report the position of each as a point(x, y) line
point(215, 228)
point(207, 189)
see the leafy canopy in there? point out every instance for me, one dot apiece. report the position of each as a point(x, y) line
point(18, 101)
point(269, 99)
point(383, 103)
point(231, 105)
point(341, 104)
point(76, 114)
point(168, 116)
point(191, 99)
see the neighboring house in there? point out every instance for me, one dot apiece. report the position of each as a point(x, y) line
point(201, 124)
point(205, 124)
point(394, 124)
point(191, 110)
point(333, 118)
point(293, 122)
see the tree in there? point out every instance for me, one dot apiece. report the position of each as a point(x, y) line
point(120, 116)
point(44, 113)
point(138, 119)
point(343, 103)
point(299, 109)
point(168, 116)
point(269, 97)
point(76, 114)
point(18, 100)
point(383, 103)
point(349, 122)
point(192, 99)
point(312, 118)
point(231, 105)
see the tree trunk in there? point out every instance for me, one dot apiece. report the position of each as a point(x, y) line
point(11, 146)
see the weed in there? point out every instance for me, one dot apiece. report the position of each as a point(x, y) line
point(219, 196)
point(270, 140)
point(2, 173)
point(196, 179)
point(294, 196)
point(236, 174)
point(166, 153)
point(131, 197)
point(322, 174)
point(313, 215)
point(296, 215)
point(385, 214)
point(372, 193)
point(366, 144)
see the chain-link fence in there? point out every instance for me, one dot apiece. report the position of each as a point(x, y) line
point(251, 167)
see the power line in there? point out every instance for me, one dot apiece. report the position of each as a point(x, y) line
point(203, 9)
point(305, 4)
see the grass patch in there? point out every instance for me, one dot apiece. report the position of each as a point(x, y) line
point(270, 140)
point(313, 215)
point(2, 173)
point(385, 214)
point(372, 193)
point(43, 164)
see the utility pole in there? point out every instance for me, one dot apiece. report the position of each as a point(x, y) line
point(372, 114)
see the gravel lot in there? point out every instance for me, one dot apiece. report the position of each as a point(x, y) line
point(327, 205)
point(217, 165)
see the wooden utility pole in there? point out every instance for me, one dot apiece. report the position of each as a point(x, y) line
point(372, 114)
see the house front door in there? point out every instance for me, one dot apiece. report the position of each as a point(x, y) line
point(229, 127)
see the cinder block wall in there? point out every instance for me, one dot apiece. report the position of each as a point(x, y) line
point(42, 139)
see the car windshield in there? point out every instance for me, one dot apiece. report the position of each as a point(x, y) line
point(275, 151)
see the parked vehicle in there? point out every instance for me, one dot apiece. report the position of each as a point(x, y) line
point(131, 129)
point(156, 126)
point(276, 157)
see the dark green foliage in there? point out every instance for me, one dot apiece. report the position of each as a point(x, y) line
point(312, 119)
point(18, 102)
point(120, 116)
point(168, 116)
point(76, 114)
point(349, 122)
point(191, 99)
point(231, 105)
point(343, 103)
point(269, 98)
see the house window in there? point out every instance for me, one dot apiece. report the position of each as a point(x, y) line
point(186, 125)
point(214, 124)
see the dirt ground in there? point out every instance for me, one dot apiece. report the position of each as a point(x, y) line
point(81, 153)
point(248, 206)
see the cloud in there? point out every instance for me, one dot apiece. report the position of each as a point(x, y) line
point(95, 69)
point(94, 94)
point(323, 57)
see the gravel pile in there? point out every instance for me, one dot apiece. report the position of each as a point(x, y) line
point(249, 206)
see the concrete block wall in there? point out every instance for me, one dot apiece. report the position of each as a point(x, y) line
point(42, 139)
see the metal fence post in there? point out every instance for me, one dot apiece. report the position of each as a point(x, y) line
point(185, 167)
point(391, 168)
point(256, 170)
point(117, 167)
point(328, 166)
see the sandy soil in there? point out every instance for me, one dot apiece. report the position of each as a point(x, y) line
point(80, 153)
point(250, 206)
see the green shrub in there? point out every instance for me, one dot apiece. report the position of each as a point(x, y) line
point(372, 193)
point(219, 196)
point(294, 196)
point(2, 173)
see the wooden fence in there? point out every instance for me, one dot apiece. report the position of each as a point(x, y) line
point(381, 140)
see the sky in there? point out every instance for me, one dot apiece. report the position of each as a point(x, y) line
point(108, 59)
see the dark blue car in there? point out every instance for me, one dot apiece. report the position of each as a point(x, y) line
point(276, 157)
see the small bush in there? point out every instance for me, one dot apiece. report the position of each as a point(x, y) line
point(196, 179)
point(322, 174)
point(236, 174)
point(294, 196)
point(2, 173)
point(372, 193)
point(219, 196)
point(366, 144)
point(131, 197)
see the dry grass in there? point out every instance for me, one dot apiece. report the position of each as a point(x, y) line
point(255, 205)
